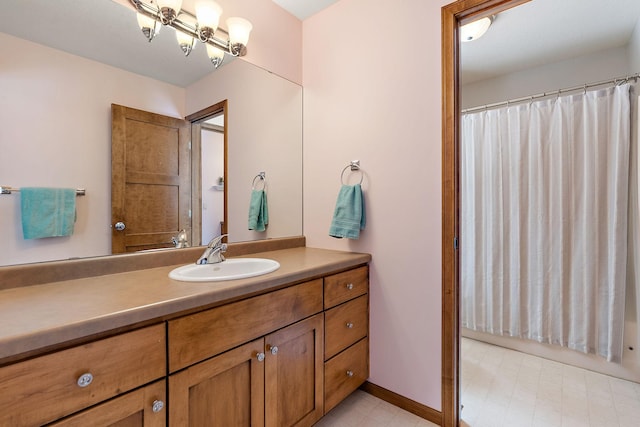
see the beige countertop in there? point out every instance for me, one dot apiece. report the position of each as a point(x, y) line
point(45, 315)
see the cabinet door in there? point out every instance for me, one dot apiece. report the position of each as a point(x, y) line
point(294, 374)
point(144, 407)
point(224, 391)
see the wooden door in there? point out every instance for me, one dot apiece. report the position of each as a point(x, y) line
point(294, 380)
point(144, 407)
point(225, 391)
point(150, 179)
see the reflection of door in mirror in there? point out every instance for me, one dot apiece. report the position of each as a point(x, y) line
point(209, 172)
point(212, 163)
point(150, 179)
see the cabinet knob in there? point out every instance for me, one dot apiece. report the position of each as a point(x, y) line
point(349, 325)
point(349, 373)
point(157, 406)
point(260, 357)
point(273, 349)
point(84, 380)
point(349, 286)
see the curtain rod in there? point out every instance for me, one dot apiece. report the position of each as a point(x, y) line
point(616, 81)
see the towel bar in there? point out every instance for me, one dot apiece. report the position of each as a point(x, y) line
point(8, 190)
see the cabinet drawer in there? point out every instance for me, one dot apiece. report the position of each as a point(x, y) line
point(145, 406)
point(344, 286)
point(205, 334)
point(345, 373)
point(46, 388)
point(345, 325)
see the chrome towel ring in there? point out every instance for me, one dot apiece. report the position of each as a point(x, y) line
point(261, 177)
point(354, 165)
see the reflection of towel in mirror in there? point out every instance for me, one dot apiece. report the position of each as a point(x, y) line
point(348, 216)
point(258, 211)
point(47, 212)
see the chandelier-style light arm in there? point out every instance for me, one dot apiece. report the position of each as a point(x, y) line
point(188, 28)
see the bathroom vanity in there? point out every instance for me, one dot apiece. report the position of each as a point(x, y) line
point(138, 348)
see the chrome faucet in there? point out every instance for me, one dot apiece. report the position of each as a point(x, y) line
point(213, 253)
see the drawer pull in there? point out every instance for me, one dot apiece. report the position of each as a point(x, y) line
point(85, 379)
point(349, 286)
point(349, 325)
point(158, 405)
point(349, 373)
point(273, 349)
point(260, 357)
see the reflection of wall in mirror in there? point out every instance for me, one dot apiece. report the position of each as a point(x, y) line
point(260, 138)
point(56, 132)
point(600, 66)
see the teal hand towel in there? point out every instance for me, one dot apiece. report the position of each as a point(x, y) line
point(258, 211)
point(47, 212)
point(348, 216)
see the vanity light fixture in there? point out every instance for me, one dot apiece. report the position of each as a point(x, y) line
point(476, 29)
point(203, 27)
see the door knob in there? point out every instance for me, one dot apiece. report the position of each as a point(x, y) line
point(120, 226)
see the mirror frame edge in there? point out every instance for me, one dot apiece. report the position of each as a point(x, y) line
point(452, 16)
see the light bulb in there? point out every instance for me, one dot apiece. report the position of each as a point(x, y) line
point(148, 26)
point(474, 30)
point(215, 55)
point(239, 30)
point(186, 42)
point(208, 13)
point(169, 9)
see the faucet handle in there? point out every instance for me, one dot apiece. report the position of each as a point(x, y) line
point(216, 240)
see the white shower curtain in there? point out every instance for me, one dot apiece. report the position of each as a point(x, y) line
point(543, 220)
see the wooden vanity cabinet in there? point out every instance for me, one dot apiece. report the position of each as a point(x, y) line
point(227, 390)
point(294, 387)
point(47, 388)
point(280, 359)
point(346, 304)
point(283, 358)
point(144, 407)
point(274, 381)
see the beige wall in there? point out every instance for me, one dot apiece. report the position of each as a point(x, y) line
point(372, 91)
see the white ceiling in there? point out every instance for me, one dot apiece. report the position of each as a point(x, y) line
point(303, 9)
point(539, 32)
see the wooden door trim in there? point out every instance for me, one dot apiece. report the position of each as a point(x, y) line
point(454, 14)
point(196, 168)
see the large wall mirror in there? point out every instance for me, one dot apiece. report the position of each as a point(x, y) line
point(66, 62)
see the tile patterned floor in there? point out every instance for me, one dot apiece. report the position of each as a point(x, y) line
point(364, 410)
point(502, 387)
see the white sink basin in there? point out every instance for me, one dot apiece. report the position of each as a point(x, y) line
point(230, 269)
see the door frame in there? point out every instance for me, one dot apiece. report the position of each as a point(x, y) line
point(196, 168)
point(453, 15)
